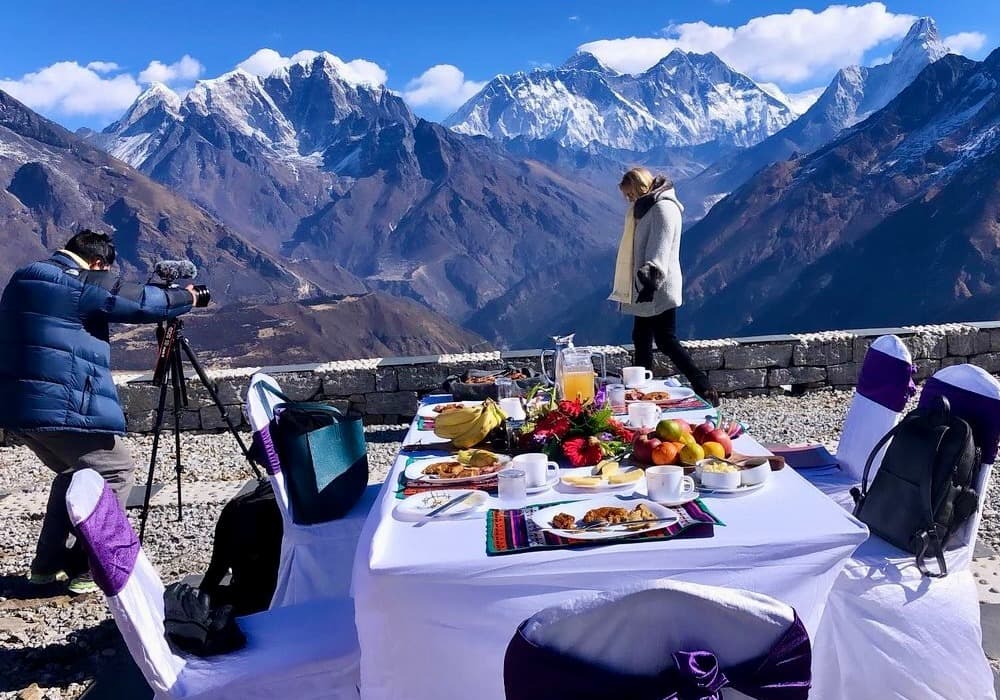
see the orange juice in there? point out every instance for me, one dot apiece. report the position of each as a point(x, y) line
point(578, 385)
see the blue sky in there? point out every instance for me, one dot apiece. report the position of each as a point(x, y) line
point(83, 63)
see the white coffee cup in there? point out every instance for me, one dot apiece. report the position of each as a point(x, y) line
point(635, 376)
point(512, 408)
point(643, 414)
point(535, 466)
point(668, 483)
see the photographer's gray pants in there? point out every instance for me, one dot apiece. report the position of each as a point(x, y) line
point(66, 453)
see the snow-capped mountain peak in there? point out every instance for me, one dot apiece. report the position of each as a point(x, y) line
point(683, 100)
point(584, 60)
point(921, 41)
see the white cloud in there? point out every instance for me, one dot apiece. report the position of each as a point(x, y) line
point(443, 86)
point(71, 89)
point(792, 48)
point(360, 71)
point(574, 18)
point(103, 66)
point(965, 42)
point(183, 71)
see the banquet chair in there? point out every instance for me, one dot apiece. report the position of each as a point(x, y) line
point(316, 560)
point(664, 639)
point(306, 651)
point(885, 383)
point(890, 632)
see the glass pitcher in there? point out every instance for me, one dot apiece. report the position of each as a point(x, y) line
point(578, 376)
point(562, 342)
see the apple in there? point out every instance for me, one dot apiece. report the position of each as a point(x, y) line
point(722, 437)
point(669, 430)
point(685, 426)
point(701, 432)
point(642, 448)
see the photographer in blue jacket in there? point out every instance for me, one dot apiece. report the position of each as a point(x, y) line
point(55, 378)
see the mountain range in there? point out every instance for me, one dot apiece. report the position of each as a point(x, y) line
point(54, 183)
point(894, 221)
point(343, 182)
point(314, 203)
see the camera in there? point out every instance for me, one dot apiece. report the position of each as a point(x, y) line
point(172, 270)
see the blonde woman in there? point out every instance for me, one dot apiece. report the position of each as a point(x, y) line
point(648, 273)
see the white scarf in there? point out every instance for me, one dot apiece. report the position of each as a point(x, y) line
point(624, 285)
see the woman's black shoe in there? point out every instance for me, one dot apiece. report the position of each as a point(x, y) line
point(712, 396)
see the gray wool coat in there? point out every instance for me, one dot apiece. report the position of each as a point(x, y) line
point(656, 252)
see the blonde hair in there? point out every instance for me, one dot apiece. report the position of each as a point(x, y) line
point(639, 181)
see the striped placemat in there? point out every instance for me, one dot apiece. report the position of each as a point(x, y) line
point(512, 531)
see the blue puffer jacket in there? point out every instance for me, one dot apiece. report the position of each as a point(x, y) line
point(55, 360)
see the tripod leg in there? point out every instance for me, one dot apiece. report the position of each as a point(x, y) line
point(177, 380)
point(218, 404)
point(157, 427)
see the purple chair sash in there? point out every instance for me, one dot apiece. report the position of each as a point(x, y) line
point(264, 446)
point(110, 542)
point(982, 413)
point(784, 673)
point(886, 380)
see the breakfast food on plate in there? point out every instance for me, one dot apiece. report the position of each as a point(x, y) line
point(477, 458)
point(491, 379)
point(469, 425)
point(608, 515)
point(606, 467)
point(564, 521)
point(625, 477)
point(636, 395)
point(447, 407)
point(584, 481)
point(460, 470)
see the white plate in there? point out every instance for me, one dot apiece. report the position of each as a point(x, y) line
point(578, 509)
point(417, 506)
point(738, 490)
point(545, 487)
point(603, 486)
point(415, 470)
point(427, 410)
point(686, 498)
point(677, 393)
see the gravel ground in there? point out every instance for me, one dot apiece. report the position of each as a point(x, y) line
point(52, 644)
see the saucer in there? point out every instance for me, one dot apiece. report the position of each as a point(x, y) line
point(544, 487)
point(686, 498)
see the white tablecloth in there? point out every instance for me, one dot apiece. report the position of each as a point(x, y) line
point(435, 613)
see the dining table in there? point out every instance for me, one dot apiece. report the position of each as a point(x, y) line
point(435, 611)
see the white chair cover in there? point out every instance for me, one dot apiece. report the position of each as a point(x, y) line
point(316, 560)
point(638, 630)
point(884, 385)
point(302, 652)
point(888, 631)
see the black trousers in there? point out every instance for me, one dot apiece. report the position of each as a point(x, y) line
point(663, 329)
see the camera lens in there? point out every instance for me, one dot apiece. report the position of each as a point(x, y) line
point(202, 296)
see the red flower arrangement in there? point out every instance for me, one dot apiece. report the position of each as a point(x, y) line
point(581, 433)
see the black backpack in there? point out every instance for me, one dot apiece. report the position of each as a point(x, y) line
point(248, 544)
point(925, 487)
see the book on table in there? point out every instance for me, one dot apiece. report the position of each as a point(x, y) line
point(804, 455)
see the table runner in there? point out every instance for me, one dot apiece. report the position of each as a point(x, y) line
point(513, 531)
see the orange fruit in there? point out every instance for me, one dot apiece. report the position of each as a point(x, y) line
point(714, 449)
point(664, 453)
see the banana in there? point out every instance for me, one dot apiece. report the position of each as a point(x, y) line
point(455, 422)
point(468, 426)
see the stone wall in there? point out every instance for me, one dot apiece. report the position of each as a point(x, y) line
point(387, 390)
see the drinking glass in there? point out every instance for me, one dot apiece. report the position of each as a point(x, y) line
point(616, 397)
point(506, 389)
point(512, 487)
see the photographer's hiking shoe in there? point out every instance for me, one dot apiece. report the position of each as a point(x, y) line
point(46, 579)
point(84, 583)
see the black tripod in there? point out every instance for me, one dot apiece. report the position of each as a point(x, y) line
point(170, 366)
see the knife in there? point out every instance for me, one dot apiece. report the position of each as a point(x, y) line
point(440, 509)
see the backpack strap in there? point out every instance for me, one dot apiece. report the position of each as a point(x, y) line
point(859, 495)
point(930, 540)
